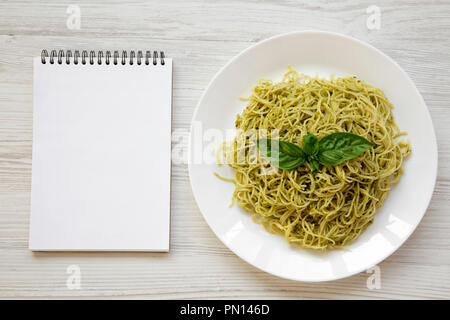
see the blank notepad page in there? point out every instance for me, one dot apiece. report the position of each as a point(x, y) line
point(101, 156)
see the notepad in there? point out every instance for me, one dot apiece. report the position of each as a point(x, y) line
point(101, 152)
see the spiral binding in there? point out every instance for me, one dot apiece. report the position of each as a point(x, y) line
point(107, 57)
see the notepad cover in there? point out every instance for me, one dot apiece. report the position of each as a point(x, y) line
point(101, 157)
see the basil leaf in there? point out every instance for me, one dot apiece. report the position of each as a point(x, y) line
point(282, 154)
point(310, 144)
point(314, 164)
point(341, 146)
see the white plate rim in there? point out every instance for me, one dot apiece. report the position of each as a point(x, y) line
point(433, 142)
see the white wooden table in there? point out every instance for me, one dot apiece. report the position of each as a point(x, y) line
point(202, 36)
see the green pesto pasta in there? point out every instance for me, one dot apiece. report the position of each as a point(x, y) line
point(329, 208)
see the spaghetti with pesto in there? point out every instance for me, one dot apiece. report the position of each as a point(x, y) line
point(331, 207)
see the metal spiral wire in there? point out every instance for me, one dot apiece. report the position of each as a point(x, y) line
point(123, 58)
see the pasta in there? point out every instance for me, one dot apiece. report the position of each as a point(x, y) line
point(329, 208)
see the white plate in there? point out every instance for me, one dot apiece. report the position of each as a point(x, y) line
point(310, 52)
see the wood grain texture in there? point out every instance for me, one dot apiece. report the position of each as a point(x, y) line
point(202, 36)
